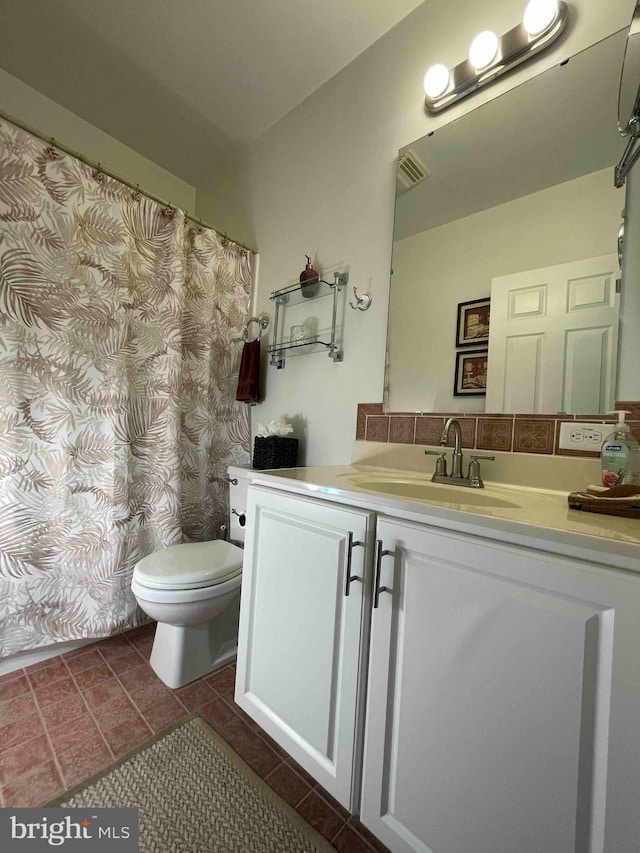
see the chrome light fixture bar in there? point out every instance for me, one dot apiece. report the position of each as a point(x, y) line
point(490, 56)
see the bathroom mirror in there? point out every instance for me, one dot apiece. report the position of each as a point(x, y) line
point(629, 94)
point(518, 207)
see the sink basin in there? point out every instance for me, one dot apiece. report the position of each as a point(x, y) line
point(413, 489)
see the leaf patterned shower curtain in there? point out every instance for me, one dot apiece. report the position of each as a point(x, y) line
point(120, 332)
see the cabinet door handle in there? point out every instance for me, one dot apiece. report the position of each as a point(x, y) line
point(349, 577)
point(377, 588)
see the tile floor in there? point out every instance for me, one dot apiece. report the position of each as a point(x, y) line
point(69, 717)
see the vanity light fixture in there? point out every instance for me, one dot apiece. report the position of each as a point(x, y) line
point(483, 50)
point(490, 55)
point(436, 80)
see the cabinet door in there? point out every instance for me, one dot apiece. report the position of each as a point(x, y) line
point(299, 648)
point(502, 714)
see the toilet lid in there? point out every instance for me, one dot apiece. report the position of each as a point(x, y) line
point(190, 565)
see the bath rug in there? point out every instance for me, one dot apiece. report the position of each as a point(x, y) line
point(196, 795)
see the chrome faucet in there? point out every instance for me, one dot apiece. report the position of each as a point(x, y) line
point(456, 478)
point(456, 460)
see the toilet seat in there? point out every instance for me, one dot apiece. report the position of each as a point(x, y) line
point(191, 565)
point(177, 596)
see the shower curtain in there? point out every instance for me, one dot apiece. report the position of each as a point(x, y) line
point(120, 335)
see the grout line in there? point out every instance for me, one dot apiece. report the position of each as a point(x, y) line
point(334, 837)
point(308, 794)
point(180, 702)
point(133, 646)
point(131, 699)
point(271, 772)
point(91, 714)
point(360, 835)
point(46, 733)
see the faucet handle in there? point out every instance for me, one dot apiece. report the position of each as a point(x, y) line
point(474, 469)
point(441, 461)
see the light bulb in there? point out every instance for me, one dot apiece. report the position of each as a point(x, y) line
point(436, 80)
point(483, 49)
point(539, 15)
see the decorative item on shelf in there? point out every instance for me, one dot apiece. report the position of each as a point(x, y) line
point(309, 280)
point(325, 340)
point(302, 334)
point(298, 333)
point(363, 302)
point(272, 448)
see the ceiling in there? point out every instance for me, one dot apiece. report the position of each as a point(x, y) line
point(183, 82)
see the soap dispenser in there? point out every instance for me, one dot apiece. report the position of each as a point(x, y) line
point(620, 455)
point(309, 280)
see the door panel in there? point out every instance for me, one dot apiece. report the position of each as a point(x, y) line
point(299, 644)
point(553, 341)
point(487, 719)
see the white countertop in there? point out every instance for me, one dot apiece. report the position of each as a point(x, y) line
point(524, 513)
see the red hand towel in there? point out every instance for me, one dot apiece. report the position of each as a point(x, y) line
point(249, 376)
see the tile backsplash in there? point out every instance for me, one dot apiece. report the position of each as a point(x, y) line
point(507, 433)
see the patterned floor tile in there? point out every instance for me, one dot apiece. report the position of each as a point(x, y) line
point(164, 713)
point(56, 691)
point(47, 674)
point(115, 713)
point(105, 693)
point(14, 709)
point(20, 759)
point(93, 675)
point(287, 784)
point(15, 687)
point(34, 789)
point(65, 712)
point(122, 702)
point(320, 815)
point(21, 731)
point(83, 760)
point(79, 662)
point(195, 695)
point(66, 736)
point(126, 736)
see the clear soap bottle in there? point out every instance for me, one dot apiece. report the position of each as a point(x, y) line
point(620, 455)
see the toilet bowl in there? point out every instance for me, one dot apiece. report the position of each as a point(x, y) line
point(192, 590)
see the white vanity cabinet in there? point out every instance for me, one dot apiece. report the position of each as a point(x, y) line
point(503, 699)
point(300, 644)
point(502, 688)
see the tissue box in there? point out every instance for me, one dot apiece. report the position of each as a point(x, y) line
point(275, 451)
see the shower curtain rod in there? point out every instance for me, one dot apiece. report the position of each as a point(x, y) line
point(54, 142)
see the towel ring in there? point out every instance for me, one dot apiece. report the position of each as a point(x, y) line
point(262, 322)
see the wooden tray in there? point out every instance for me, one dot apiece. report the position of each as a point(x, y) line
point(621, 500)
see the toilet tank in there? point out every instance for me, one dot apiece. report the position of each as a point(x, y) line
point(238, 501)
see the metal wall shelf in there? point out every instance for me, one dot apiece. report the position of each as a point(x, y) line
point(282, 348)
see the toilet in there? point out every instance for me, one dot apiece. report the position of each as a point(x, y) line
point(192, 590)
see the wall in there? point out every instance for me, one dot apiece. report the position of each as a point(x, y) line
point(323, 183)
point(435, 270)
point(224, 200)
point(31, 107)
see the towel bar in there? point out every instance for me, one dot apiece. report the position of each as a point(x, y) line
point(262, 322)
